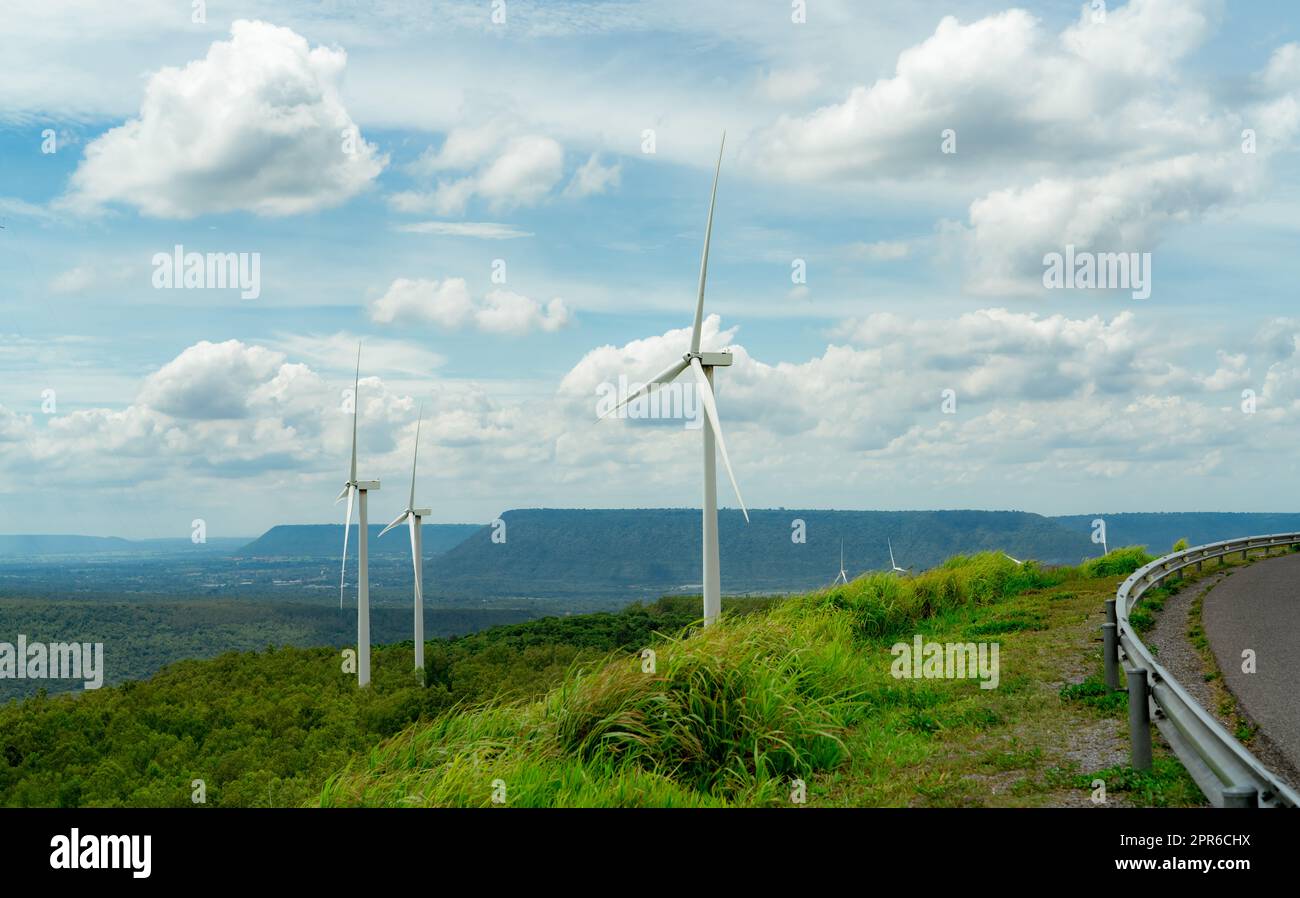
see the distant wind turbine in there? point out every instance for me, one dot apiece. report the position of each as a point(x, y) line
point(352, 489)
point(702, 365)
point(893, 564)
point(843, 577)
point(413, 517)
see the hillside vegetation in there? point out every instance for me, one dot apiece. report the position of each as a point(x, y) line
point(266, 728)
point(559, 711)
point(729, 715)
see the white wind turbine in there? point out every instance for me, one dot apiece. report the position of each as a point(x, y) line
point(413, 516)
point(843, 577)
point(701, 365)
point(354, 488)
point(892, 563)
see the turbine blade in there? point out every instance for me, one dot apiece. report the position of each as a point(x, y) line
point(704, 258)
point(402, 517)
point(711, 412)
point(662, 377)
point(343, 495)
point(415, 456)
point(356, 409)
point(892, 562)
point(347, 525)
point(415, 562)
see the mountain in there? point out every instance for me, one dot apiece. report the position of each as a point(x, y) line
point(635, 552)
point(326, 540)
point(1158, 531)
point(35, 545)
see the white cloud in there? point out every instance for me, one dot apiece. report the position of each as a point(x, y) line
point(1014, 94)
point(482, 230)
point(592, 178)
point(506, 312)
point(209, 380)
point(1127, 210)
point(449, 305)
point(1045, 404)
point(256, 125)
point(445, 303)
point(506, 169)
point(1097, 136)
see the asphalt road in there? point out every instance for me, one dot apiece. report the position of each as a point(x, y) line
point(1258, 608)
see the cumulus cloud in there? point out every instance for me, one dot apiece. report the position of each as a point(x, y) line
point(502, 165)
point(1013, 92)
point(449, 305)
point(256, 125)
point(1096, 136)
point(504, 168)
point(1041, 402)
point(1054, 392)
point(209, 380)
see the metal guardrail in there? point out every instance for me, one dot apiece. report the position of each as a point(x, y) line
point(1228, 774)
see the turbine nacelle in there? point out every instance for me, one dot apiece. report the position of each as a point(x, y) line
point(709, 359)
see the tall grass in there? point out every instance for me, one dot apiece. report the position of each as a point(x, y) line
point(729, 714)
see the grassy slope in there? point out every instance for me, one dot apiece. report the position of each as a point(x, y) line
point(731, 715)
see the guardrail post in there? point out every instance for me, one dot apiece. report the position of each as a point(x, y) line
point(1110, 646)
point(1241, 797)
point(1110, 655)
point(1139, 720)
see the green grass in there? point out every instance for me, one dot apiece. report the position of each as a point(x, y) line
point(734, 714)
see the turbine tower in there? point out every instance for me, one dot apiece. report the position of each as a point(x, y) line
point(701, 365)
point(843, 577)
point(413, 516)
point(355, 488)
point(892, 563)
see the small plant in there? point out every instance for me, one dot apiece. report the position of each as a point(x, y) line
point(1095, 694)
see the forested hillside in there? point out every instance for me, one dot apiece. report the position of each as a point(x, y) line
point(140, 638)
point(1160, 530)
point(266, 728)
point(326, 540)
point(634, 552)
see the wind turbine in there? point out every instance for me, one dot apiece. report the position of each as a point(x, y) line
point(1016, 560)
point(895, 569)
point(352, 489)
point(701, 365)
point(413, 516)
point(843, 577)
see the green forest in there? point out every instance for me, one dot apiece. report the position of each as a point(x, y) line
point(141, 637)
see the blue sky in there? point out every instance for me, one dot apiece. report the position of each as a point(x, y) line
point(522, 143)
